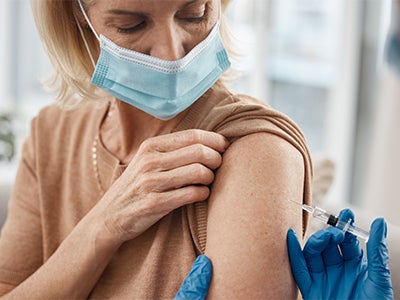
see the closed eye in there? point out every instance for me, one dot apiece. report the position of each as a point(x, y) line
point(196, 20)
point(137, 27)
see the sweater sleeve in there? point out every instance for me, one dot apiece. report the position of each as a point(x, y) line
point(235, 116)
point(21, 235)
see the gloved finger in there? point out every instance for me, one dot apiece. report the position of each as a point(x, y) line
point(196, 284)
point(314, 248)
point(350, 246)
point(298, 263)
point(378, 254)
point(331, 255)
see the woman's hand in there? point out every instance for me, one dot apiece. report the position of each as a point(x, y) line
point(167, 172)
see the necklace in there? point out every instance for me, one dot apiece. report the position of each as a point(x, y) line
point(95, 165)
point(94, 156)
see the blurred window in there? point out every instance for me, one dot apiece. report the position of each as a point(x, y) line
point(306, 58)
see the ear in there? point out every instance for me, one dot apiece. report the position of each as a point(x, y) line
point(78, 14)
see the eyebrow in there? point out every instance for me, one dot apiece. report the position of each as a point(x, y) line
point(141, 14)
point(189, 3)
point(120, 12)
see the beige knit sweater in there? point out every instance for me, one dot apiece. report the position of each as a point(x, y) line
point(56, 186)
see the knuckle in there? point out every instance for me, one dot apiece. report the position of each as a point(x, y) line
point(148, 163)
point(140, 166)
point(150, 206)
point(208, 156)
point(147, 145)
point(201, 152)
point(203, 174)
point(198, 170)
point(195, 135)
point(147, 183)
point(197, 193)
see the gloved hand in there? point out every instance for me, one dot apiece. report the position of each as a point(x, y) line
point(195, 286)
point(322, 271)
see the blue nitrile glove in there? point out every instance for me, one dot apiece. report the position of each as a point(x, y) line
point(322, 271)
point(195, 286)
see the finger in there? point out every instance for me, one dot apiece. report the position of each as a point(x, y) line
point(298, 263)
point(170, 200)
point(180, 139)
point(194, 174)
point(332, 255)
point(137, 214)
point(197, 153)
point(196, 284)
point(378, 254)
point(350, 247)
point(314, 248)
point(345, 215)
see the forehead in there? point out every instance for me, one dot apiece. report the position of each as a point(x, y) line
point(144, 5)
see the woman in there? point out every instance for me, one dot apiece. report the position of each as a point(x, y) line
point(113, 198)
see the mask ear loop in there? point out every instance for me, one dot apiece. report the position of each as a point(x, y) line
point(87, 19)
point(218, 23)
point(82, 33)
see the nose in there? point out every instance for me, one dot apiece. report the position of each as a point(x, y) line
point(167, 44)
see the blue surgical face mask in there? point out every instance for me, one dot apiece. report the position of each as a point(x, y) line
point(159, 87)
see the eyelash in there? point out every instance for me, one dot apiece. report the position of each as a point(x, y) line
point(196, 20)
point(131, 29)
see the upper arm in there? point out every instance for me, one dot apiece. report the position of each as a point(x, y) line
point(249, 215)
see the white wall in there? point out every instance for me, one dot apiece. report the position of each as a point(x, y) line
point(5, 15)
point(382, 188)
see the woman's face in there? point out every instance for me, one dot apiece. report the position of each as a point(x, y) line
point(166, 29)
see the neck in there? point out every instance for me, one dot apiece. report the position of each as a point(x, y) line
point(126, 127)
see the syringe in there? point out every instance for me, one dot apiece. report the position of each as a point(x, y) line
point(333, 220)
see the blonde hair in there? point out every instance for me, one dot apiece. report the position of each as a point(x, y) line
point(56, 22)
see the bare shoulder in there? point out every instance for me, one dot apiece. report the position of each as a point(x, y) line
point(249, 215)
point(264, 147)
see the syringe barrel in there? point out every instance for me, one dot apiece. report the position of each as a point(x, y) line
point(333, 220)
point(324, 216)
point(347, 227)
